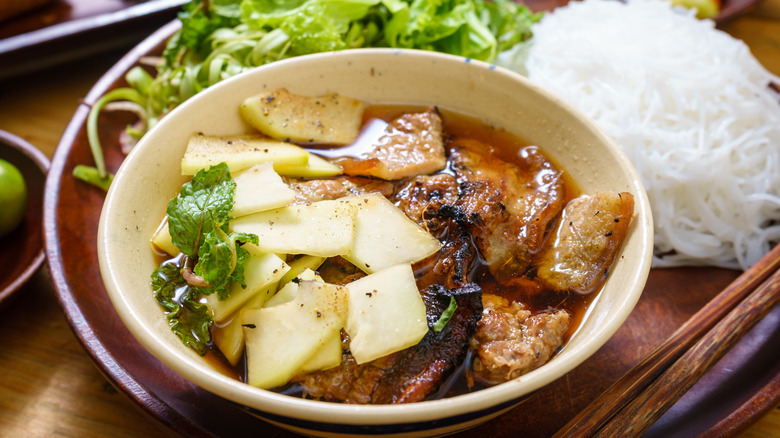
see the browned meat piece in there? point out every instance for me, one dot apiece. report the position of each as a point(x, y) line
point(411, 145)
point(579, 255)
point(421, 369)
point(336, 270)
point(412, 374)
point(428, 200)
point(451, 266)
point(333, 188)
point(510, 341)
point(508, 207)
point(421, 197)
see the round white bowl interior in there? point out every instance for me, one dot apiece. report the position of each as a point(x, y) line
point(150, 176)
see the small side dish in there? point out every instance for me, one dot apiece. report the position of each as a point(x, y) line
point(21, 247)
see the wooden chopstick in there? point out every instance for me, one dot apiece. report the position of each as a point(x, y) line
point(614, 398)
point(647, 407)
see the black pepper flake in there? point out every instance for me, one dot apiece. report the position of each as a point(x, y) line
point(275, 271)
point(251, 326)
point(296, 280)
point(269, 99)
point(319, 314)
point(609, 233)
point(571, 224)
point(606, 272)
point(617, 220)
point(230, 142)
point(369, 294)
point(265, 150)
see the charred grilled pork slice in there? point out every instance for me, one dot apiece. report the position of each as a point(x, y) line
point(451, 265)
point(333, 188)
point(420, 370)
point(411, 145)
point(409, 375)
point(428, 200)
point(508, 206)
point(510, 341)
point(421, 198)
point(580, 254)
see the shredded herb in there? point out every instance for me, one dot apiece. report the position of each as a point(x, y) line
point(198, 221)
point(445, 316)
point(92, 176)
point(222, 38)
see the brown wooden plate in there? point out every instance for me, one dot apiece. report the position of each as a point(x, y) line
point(742, 387)
point(21, 251)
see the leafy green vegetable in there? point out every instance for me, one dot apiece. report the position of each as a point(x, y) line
point(222, 38)
point(92, 176)
point(203, 205)
point(188, 318)
point(445, 316)
point(198, 221)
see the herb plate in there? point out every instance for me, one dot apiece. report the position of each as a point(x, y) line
point(742, 387)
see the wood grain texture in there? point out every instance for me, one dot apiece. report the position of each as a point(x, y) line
point(49, 385)
point(629, 386)
point(647, 407)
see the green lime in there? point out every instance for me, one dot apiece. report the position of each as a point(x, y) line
point(13, 197)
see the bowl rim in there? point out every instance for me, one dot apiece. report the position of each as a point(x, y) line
point(279, 404)
point(42, 163)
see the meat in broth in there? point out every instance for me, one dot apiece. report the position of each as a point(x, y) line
point(493, 203)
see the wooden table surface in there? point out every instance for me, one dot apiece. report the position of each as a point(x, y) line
point(48, 384)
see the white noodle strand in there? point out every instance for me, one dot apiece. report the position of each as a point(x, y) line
point(690, 106)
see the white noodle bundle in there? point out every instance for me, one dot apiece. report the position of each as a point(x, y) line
point(690, 106)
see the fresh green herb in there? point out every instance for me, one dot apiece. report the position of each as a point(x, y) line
point(198, 220)
point(445, 316)
point(203, 206)
point(92, 176)
point(189, 319)
point(222, 38)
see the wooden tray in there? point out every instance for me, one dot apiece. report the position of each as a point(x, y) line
point(65, 30)
point(742, 387)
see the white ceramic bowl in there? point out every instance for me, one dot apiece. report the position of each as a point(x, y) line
point(149, 177)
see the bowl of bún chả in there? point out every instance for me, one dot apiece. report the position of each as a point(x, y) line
point(375, 241)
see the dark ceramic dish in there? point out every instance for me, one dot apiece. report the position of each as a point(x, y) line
point(21, 251)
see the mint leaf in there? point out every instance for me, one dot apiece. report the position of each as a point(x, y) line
point(222, 262)
point(198, 221)
point(203, 205)
point(188, 318)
